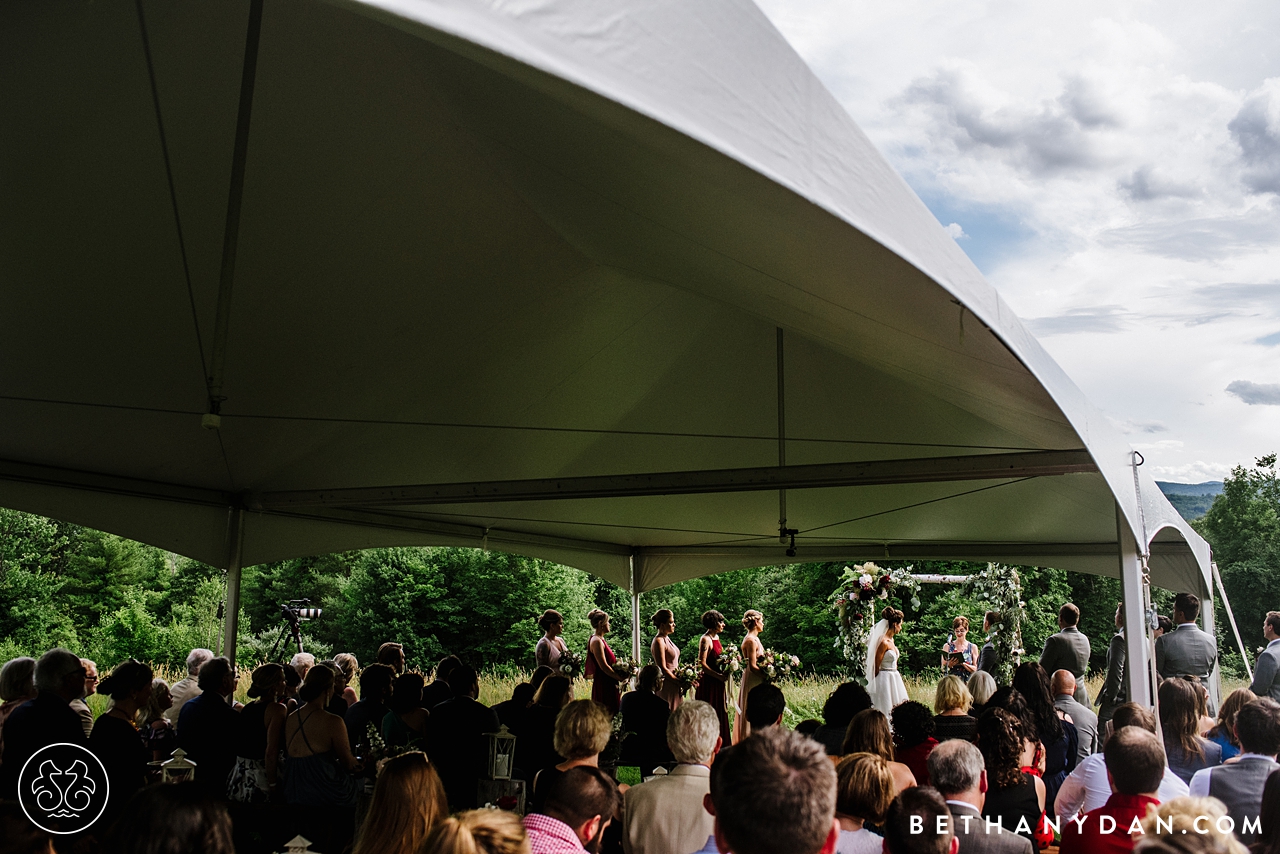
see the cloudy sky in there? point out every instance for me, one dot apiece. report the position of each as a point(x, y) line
point(1114, 170)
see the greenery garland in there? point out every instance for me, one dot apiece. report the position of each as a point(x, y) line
point(855, 600)
point(1000, 587)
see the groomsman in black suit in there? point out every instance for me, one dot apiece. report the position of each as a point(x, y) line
point(988, 660)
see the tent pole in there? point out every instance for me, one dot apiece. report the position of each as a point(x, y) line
point(635, 613)
point(1231, 618)
point(231, 620)
point(1137, 681)
point(1215, 675)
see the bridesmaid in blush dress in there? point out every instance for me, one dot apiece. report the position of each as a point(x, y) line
point(550, 646)
point(600, 661)
point(713, 683)
point(667, 656)
point(752, 649)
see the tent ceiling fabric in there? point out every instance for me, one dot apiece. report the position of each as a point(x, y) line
point(505, 241)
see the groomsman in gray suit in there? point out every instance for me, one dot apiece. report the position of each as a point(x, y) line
point(1188, 650)
point(1068, 650)
point(1266, 675)
point(1112, 695)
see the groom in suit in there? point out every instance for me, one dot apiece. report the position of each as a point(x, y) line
point(1188, 650)
point(1068, 650)
point(1266, 676)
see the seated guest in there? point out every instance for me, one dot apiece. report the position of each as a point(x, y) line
point(1239, 784)
point(957, 771)
point(392, 655)
point(478, 832)
point(540, 673)
point(535, 737)
point(405, 721)
point(1269, 818)
point(1060, 737)
point(318, 759)
point(48, 719)
point(158, 734)
point(1063, 686)
point(913, 738)
point(644, 719)
point(1189, 826)
point(303, 662)
point(869, 733)
point(292, 682)
point(510, 711)
point(1015, 798)
point(168, 818)
point(582, 731)
point(371, 708)
point(408, 802)
point(1223, 732)
point(207, 727)
point(188, 687)
point(350, 666)
point(845, 701)
point(257, 739)
point(439, 691)
point(456, 739)
point(951, 702)
point(19, 834)
point(808, 727)
point(864, 790)
point(1135, 765)
point(774, 792)
point(666, 813)
point(981, 686)
point(578, 806)
point(1087, 787)
point(765, 705)
point(1180, 720)
point(115, 739)
point(918, 822)
point(1009, 699)
point(17, 685)
point(78, 705)
point(338, 705)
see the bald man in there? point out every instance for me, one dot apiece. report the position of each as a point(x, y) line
point(1064, 689)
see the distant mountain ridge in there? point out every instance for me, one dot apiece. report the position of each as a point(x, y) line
point(1209, 487)
point(1191, 500)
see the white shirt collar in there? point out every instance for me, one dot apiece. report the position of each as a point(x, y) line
point(1273, 643)
point(964, 804)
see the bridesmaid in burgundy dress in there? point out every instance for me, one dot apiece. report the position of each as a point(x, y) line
point(600, 661)
point(712, 683)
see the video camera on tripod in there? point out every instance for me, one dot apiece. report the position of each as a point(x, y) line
point(294, 613)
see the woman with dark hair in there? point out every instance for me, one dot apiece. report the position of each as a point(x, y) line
point(408, 802)
point(115, 739)
point(1014, 797)
point(258, 738)
point(844, 702)
point(1010, 699)
point(712, 680)
point(1223, 732)
point(644, 718)
point(869, 733)
point(1060, 738)
point(318, 760)
point(169, 819)
point(752, 675)
point(880, 666)
point(1180, 721)
point(375, 692)
point(666, 655)
point(405, 721)
point(600, 661)
point(913, 739)
point(338, 704)
point(550, 646)
point(540, 673)
point(535, 738)
point(510, 711)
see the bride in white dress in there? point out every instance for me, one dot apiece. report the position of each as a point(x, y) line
point(884, 684)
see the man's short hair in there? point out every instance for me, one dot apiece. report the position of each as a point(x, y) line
point(462, 679)
point(1273, 620)
point(389, 653)
point(774, 793)
point(446, 666)
point(580, 794)
point(924, 804)
point(196, 659)
point(1135, 760)
point(1258, 726)
point(955, 766)
point(1188, 604)
point(764, 704)
point(53, 668)
point(692, 731)
point(991, 618)
point(1132, 714)
point(1069, 615)
point(212, 674)
point(376, 681)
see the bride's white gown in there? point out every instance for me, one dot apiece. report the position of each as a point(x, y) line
point(887, 689)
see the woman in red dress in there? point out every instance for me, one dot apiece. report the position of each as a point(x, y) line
point(712, 682)
point(600, 661)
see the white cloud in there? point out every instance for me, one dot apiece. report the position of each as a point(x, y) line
point(956, 232)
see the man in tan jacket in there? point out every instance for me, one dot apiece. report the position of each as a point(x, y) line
point(666, 814)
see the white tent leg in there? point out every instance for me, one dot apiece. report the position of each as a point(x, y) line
point(635, 615)
point(231, 621)
point(1215, 675)
point(1231, 618)
point(1137, 683)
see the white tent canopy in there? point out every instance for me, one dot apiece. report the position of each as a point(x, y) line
point(569, 279)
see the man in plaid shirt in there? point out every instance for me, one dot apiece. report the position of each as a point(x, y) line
point(579, 806)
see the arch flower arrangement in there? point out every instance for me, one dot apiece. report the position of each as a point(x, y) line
point(858, 602)
point(1000, 589)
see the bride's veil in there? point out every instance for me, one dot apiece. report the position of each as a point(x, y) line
point(873, 643)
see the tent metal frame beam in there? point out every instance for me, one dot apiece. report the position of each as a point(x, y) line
point(765, 478)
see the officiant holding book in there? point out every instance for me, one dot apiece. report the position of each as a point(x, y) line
point(959, 654)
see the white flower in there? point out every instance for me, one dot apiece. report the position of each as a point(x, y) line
point(795, 661)
point(864, 579)
point(884, 594)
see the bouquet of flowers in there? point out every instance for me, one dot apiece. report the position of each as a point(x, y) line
point(377, 751)
point(729, 661)
point(626, 669)
point(570, 664)
point(778, 665)
point(687, 674)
